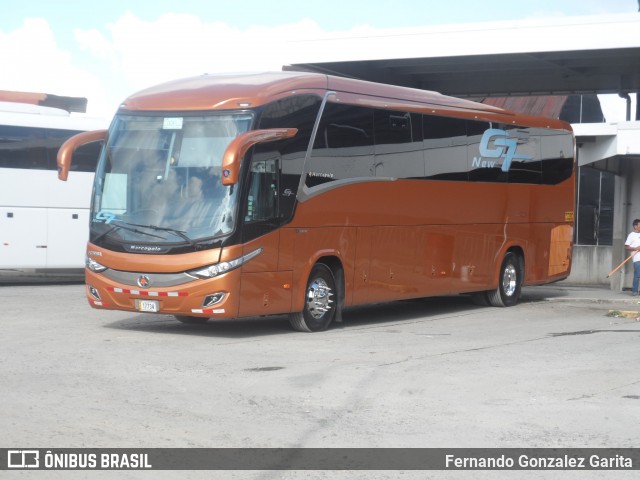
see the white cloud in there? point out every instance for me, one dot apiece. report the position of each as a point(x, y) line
point(145, 53)
point(40, 65)
point(132, 54)
point(136, 53)
point(35, 58)
point(96, 44)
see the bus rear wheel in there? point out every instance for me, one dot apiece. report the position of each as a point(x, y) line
point(509, 282)
point(319, 302)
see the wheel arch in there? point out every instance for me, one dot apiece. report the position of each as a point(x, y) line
point(519, 251)
point(334, 262)
point(516, 249)
point(510, 280)
point(336, 266)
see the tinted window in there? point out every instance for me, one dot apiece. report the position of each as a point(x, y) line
point(398, 139)
point(595, 207)
point(556, 151)
point(445, 148)
point(22, 147)
point(37, 148)
point(294, 112)
point(589, 206)
point(343, 146)
point(345, 126)
point(484, 154)
point(261, 200)
point(393, 128)
point(85, 158)
point(526, 167)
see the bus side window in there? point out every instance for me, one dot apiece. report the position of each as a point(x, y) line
point(343, 147)
point(556, 151)
point(483, 169)
point(261, 199)
point(299, 111)
point(445, 148)
point(527, 167)
point(85, 159)
point(23, 148)
point(398, 139)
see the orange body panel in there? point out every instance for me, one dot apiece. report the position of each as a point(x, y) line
point(265, 288)
point(435, 246)
point(179, 300)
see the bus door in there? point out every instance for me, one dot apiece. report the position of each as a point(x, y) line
point(264, 289)
point(68, 232)
point(23, 237)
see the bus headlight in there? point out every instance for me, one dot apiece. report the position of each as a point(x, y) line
point(94, 266)
point(223, 267)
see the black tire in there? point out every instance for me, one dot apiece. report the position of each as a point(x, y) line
point(320, 302)
point(191, 320)
point(509, 282)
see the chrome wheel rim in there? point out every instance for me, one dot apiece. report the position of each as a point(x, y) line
point(509, 280)
point(319, 298)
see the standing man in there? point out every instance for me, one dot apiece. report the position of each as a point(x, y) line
point(632, 244)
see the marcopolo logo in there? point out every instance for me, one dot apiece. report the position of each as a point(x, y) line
point(495, 145)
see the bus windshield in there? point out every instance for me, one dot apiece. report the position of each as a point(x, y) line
point(159, 179)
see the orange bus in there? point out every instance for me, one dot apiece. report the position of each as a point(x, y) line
point(299, 193)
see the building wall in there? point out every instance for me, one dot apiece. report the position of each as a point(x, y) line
point(631, 212)
point(590, 265)
point(614, 148)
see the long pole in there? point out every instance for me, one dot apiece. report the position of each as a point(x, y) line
point(620, 266)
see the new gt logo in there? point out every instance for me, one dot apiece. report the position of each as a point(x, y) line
point(495, 144)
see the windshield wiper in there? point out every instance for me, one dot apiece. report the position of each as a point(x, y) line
point(121, 225)
point(180, 233)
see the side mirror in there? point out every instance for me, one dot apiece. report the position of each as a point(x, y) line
point(65, 154)
point(239, 146)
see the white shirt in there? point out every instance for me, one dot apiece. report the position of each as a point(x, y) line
point(633, 240)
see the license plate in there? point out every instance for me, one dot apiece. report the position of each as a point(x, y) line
point(148, 305)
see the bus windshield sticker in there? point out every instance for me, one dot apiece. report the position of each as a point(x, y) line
point(495, 144)
point(172, 123)
point(106, 216)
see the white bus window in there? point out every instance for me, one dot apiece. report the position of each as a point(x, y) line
point(22, 147)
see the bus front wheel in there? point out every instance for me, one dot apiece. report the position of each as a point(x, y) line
point(509, 282)
point(320, 301)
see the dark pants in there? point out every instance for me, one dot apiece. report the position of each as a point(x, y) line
point(636, 277)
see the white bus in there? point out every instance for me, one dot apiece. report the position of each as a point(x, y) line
point(44, 225)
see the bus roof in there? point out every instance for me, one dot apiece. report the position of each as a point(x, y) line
point(225, 92)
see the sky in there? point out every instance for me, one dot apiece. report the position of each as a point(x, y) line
point(107, 50)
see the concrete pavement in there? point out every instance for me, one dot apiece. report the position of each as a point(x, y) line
point(566, 292)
